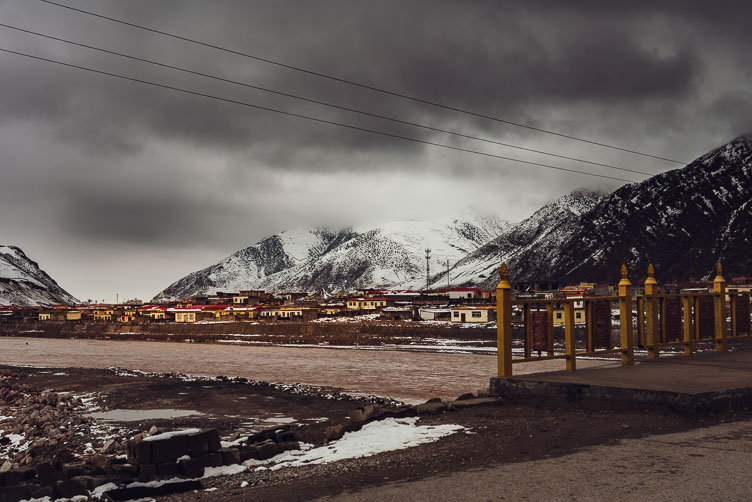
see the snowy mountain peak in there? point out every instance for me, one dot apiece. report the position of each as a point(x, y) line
point(22, 282)
point(682, 221)
point(386, 255)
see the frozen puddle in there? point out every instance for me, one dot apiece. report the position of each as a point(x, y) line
point(135, 415)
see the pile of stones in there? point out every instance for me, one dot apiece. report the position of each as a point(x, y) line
point(158, 457)
point(51, 424)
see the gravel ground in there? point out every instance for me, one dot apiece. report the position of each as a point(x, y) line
point(495, 433)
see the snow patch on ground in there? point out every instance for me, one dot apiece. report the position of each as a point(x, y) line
point(381, 436)
point(168, 435)
point(225, 470)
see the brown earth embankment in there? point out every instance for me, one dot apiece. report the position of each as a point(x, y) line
point(360, 333)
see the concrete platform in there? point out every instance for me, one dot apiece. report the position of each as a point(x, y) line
point(700, 384)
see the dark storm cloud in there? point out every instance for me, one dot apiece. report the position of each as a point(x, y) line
point(110, 163)
point(491, 58)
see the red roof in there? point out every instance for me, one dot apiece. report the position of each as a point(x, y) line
point(445, 290)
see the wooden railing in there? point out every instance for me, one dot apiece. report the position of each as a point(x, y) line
point(663, 321)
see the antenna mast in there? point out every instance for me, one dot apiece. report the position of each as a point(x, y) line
point(428, 267)
point(447, 264)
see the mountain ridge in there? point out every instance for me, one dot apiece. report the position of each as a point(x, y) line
point(328, 260)
point(22, 282)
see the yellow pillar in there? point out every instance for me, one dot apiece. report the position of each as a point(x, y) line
point(719, 288)
point(504, 323)
point(569, 339)
point(625, 318)
point(651, 314)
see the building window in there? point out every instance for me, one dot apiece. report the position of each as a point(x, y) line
point(558, 315)
point(477, 314)
point(455, 314)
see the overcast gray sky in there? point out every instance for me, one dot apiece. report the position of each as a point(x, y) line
point(117, 187)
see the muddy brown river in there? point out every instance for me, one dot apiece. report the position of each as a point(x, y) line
point(406, 376)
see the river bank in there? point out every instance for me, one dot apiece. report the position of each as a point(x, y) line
point(348, 332)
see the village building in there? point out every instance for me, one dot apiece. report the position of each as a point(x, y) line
point(184, 314)
point(473, 313)
point(288, 313)
point(153, 312)
point(126, 315)
point(437, 314)
point(462, 293)
point(396, 314)
point(245, 313)
point(366, 303)
point(102, 313)
point(431, 300)
point(329, 310)
point(291, 297)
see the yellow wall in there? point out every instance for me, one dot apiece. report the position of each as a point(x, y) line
point(185, 317)
point(579, 316)
point(471, 315)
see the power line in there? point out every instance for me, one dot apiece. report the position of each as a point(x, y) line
point(309, 100)
point(306, 117)
point(361, 85)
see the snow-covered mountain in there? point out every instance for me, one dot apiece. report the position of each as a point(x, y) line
point(527, 243)
point(23, 283)
point(683, 221)
point(323, 260)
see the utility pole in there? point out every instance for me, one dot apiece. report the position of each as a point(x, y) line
point(428, 267)
point(447, 264)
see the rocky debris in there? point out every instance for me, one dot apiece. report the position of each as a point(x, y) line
point(45, 426)
point(268, 443)
point(55, 479)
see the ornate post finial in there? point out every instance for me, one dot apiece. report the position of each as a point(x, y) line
point(719, 283)
point(650, 283)
point(504, 272)
point(624, 272)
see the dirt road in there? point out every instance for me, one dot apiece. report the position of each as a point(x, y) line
point(711, 463)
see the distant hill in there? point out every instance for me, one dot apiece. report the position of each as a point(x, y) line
point(22, 282)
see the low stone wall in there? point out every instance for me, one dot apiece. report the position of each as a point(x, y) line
point(693, 405)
